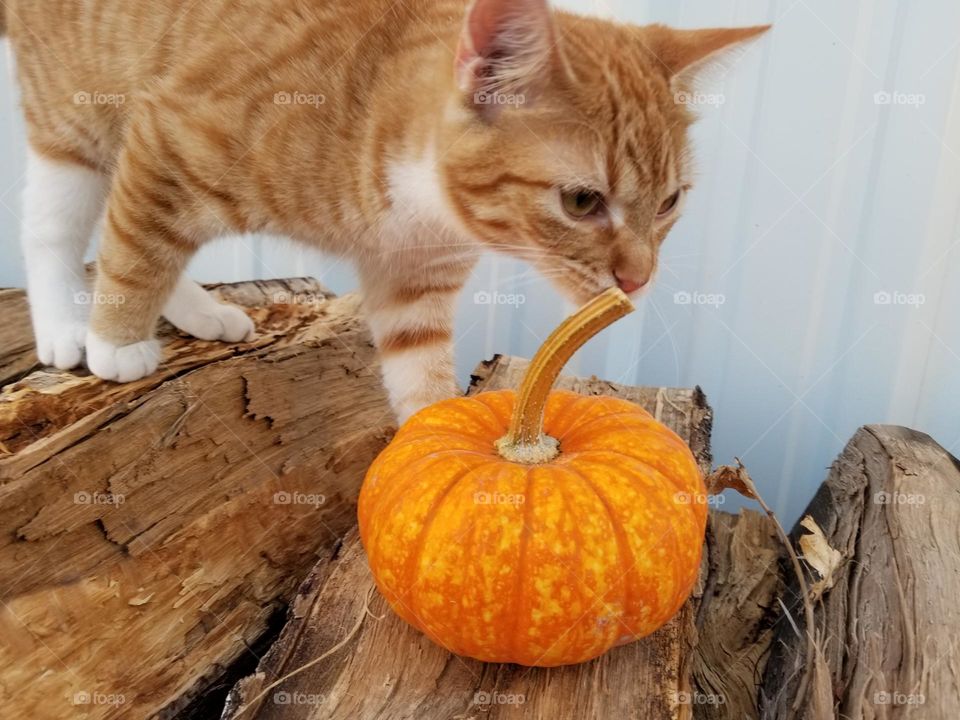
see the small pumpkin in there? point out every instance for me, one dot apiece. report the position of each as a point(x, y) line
point(539, 528)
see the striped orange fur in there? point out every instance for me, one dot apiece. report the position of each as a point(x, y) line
point(404, 136)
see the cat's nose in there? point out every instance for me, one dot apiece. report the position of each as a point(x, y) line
point(628, 284)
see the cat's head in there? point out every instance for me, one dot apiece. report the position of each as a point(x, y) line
point(566, 143)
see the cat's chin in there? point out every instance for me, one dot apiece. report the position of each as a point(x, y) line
point(582, 297)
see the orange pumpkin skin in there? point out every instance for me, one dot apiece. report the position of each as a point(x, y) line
point(541, 565)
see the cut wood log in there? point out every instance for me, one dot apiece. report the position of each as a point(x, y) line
point(738, 612)
point(392, 671)
point(17, 356)
point(882, 547)
point(150, 530)
point(151, 533)
point(388, 670)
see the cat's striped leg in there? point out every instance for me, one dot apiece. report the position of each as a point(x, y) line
point(412, 326)
point(145, 248)
point(61, 205)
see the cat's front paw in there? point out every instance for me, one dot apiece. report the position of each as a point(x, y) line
point(121, 363)
point(216, 321)
point(61, 344)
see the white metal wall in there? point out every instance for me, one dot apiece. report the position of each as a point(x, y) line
point(809, 288)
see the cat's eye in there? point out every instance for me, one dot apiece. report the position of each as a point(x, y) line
point(670, 204)
point(580, 204)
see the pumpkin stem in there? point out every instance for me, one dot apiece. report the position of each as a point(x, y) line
point(525, 441)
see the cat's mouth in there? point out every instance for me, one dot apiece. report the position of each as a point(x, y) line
point(586, 286)
point(582, 285)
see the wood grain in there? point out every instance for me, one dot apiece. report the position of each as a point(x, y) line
point(149, 531)
point(737, 615)
point(888, 628)
point(17, 356)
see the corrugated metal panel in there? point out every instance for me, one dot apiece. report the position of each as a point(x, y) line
point(826, 218)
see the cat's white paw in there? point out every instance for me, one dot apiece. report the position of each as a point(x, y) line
point(61, 344)
point(216, 321)
point(123, 363)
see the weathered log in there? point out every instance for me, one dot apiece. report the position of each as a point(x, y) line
point(737, 614)
point(886, 582)
point(389, 670)
point(148, 531)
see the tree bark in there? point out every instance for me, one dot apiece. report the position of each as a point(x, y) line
point(886, 622)
point(149, 531)
point(737, 614)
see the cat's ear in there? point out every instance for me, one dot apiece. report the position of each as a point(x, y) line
point(504, 50)
point(685, 54)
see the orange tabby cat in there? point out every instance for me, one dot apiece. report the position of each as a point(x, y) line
point(407, 136)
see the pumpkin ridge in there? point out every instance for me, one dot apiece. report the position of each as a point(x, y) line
point(588, 455)
point(651, 422)
point(672, 526)
point(412, 563)
point(656, 430)
point(591, 602)
point(521, 560)
point(397, 488)
point(623, 545)
point(418, 433)
point(572, 399)
point(502, 423)
point(460, 406)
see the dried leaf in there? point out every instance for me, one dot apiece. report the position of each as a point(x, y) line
point(819, 555)
point(729, 477)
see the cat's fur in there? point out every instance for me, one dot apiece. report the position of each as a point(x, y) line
point(357, 126)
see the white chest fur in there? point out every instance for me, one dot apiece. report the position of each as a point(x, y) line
point(421, 223)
